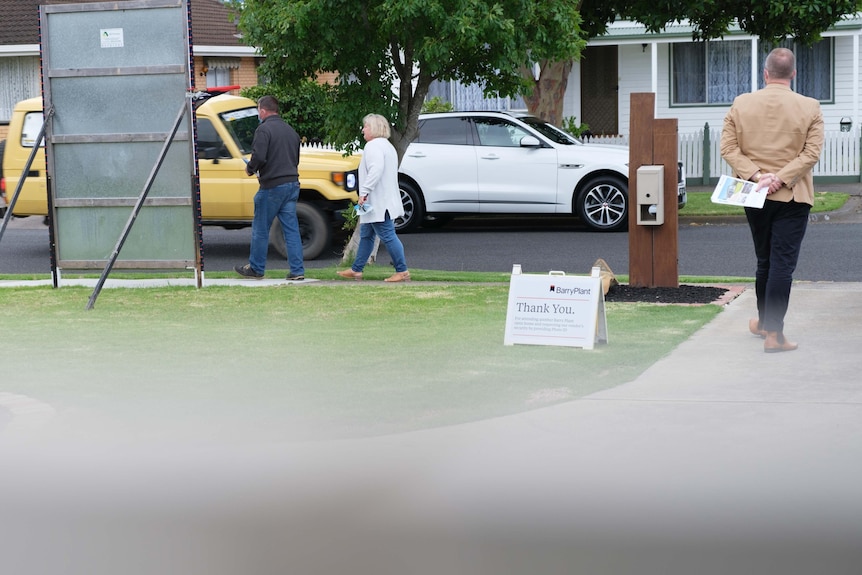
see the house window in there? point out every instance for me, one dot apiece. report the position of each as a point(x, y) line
point(20, 81)
point(716, 72)
point(471, 97)
point(219, 71)
point(813, 68)
point(218, 77)
point(710, 72)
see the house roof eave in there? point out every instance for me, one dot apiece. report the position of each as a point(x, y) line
point(629, 32)
point(236, 51)
point(19, 50)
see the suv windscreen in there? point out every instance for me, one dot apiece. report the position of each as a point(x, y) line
point(553, 133)
point(241, 124)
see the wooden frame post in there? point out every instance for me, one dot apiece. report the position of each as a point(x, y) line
point(653, 249)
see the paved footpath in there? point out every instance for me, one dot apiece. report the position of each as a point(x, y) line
point(718, 459)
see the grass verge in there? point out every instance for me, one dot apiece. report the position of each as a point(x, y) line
point(699, 204)
point(317, 361)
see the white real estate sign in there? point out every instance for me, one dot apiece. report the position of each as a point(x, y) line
point(556, 309)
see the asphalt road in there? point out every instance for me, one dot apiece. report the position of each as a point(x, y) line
point(832, 250)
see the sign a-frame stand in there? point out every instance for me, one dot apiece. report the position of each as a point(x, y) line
point(123, 190)
point(653, 249)
point(556, 309)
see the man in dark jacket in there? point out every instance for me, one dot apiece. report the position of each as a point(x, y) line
point(275, 160)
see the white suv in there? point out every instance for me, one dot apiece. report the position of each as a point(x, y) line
point(499, 163)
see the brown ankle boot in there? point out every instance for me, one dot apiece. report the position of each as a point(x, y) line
point(775, 342)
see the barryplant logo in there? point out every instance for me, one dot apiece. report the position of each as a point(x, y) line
point(560, 290)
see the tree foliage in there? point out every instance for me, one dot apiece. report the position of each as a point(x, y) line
point(376, 45)
point(303, 105)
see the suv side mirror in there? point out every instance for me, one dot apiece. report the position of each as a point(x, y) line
point(530, 142)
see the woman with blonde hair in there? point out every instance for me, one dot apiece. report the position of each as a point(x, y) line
point(379, 200)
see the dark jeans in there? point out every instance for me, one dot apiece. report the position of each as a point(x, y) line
point(278, 202)
point(777, 230)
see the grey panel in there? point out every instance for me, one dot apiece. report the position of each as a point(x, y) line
point(149, 38)
point(159, 233)
point(116, 104)
point(116, 76)
point(120, 170)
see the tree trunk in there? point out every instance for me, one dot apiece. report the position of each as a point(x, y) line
point(546, 101)
point(352, 246)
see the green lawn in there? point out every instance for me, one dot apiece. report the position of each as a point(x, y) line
point(300, 362)
point(699, 204)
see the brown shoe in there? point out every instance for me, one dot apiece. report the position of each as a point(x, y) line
point(399, 277)
point(350, 274)
point(754, 328)
point(775, 343)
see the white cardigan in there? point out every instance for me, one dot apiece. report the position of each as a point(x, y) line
point(378, 179)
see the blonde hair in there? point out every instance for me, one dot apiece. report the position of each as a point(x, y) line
point(378, 124)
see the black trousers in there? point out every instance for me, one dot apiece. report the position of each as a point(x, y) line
point(777, 230)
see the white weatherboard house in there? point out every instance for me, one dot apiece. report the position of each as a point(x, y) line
point(695, 82)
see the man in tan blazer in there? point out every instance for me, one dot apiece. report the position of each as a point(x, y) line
point(774, 137)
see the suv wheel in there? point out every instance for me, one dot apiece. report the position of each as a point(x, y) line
point(314, 229)
point(603, 204)
point(414, 210)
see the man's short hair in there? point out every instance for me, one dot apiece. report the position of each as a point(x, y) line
point(268, 103)
point(780, 63)
point(378, 124)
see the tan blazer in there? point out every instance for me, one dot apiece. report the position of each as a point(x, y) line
point(775, 130)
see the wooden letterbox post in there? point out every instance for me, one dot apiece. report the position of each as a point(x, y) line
point(653, 249)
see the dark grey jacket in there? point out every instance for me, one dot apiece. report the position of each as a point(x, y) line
point(274, 153)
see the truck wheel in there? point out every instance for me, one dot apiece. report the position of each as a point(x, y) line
point(314, 229)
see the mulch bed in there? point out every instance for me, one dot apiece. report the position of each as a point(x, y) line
point(684, 294)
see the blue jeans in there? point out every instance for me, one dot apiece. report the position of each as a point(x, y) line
point(270, 203)
point(386, 231)
point(777, 230)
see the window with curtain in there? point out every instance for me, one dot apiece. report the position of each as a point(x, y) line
point(813, 67)
point(218, 77)
point(471, 97)
point(710, 72)
point(20, 81)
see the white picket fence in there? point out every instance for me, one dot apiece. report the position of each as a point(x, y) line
point(316, 146)
point(840, 156)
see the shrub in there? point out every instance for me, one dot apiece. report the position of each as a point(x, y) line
point(304, 106)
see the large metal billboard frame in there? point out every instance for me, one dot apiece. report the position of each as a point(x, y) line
point(119, 139)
